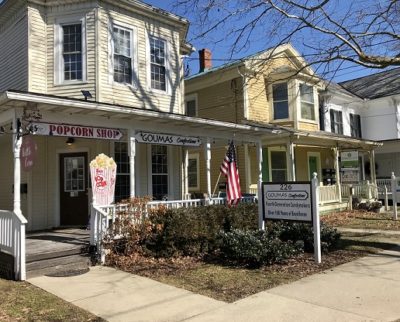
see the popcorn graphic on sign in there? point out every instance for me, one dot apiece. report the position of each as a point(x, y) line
point(103, 172)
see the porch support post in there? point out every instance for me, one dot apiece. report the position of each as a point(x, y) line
point(207, 153)
point(290, 161)
point(261, 223)
point(337, 171)
point(247, 167)
point(17, 142)
point(372, 163)
point(132, 158)
point(185, 174)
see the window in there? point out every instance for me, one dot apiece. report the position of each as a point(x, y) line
point(74, 174)
point(278, 165)
point(159, 169)
point(158, 64)
point(307, 102)
point(70, 51)
point(191, 105)
point(122, 184)
point(123, 60)
point(193, 172)
point(355, 125)
point(280, 101)
point(336, 122)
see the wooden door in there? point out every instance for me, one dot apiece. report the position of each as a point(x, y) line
point(73, 189)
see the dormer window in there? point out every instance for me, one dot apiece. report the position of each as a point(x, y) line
point(307, 102)
point(280, 101)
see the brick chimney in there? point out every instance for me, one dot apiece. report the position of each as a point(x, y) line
point(205, 59)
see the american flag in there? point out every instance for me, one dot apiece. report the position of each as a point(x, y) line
point(229, 169)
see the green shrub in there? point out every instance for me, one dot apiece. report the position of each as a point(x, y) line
point(207, 230)
point(256, 248)
point(194, 231)
point(302, 232)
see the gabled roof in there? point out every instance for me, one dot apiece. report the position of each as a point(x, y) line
point(257, 59)
point(377, 85)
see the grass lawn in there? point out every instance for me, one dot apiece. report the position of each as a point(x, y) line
point(362, 219)
point(21, 301)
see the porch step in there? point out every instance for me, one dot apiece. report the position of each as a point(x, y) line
point(58, 266)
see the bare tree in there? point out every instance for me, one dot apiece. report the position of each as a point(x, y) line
point(366, 32)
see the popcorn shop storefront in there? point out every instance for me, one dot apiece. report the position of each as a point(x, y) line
point(48, 142)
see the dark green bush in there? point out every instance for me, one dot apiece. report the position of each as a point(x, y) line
point(209, 230)
point(296, 232)
point(193, 231)
point(256, 248)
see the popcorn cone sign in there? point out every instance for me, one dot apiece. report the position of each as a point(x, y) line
point(103, 172)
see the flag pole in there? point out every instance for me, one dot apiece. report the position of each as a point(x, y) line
point(215, 188)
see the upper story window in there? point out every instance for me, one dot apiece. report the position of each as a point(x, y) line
point(280, 101)
point(191, 105)
point(307, 102)
point(70, 51)
point(123, 55)
point(355, 125)
point(336, 122)
point(158, 64)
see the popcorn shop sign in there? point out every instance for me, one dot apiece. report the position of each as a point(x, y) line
point(103, 172)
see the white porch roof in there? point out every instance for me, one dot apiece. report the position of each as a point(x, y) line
point(102, 114)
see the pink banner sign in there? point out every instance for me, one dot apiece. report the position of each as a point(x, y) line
point(103, 172)
point(28, 153)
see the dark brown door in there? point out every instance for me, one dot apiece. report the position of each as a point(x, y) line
point(73, 189)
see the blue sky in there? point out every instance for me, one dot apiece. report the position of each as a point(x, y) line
point(222, 50)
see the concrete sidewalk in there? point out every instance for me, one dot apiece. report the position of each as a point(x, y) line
point(367, 289)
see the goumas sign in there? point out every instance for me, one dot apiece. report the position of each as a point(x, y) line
point(77, 131)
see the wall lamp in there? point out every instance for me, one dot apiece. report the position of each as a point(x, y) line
point(70, 141)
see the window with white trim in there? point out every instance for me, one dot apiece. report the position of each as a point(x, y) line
point(122, 184)
point(355, 125)
point(278, 166)
point(193, 172)
point(191, 105)
point(70, 51)
point(307, 102)
point(159, 171)
point(123, 55)
point(158, 63)
point(280, 101)
point(336, 121)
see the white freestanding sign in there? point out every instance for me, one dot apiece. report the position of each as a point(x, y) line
point(287, 201)
point(293, 201)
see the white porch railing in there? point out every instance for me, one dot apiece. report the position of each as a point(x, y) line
point(12, 240)
point(361, 190)
point(328, 194)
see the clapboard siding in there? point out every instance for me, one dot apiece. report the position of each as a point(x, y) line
point(37, 50)
point(14, 53)
point(223, 101)
point(139, 95)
